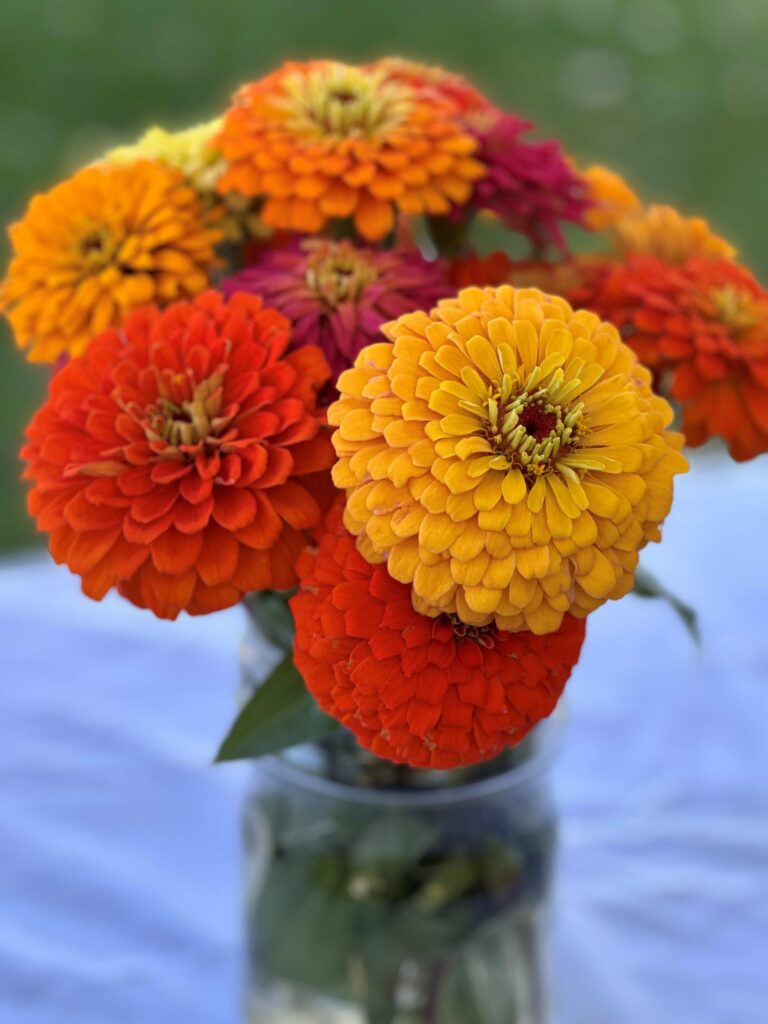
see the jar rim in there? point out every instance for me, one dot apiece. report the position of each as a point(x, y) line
point(549, 733)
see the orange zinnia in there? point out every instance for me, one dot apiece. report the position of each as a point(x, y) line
point(178, 458)
point(426, 692)
point(111, 238)
point(702, 327)
point(323, 140)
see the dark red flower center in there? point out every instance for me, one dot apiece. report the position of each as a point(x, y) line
point(538, 423)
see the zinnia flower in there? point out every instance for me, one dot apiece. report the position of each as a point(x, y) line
point(337, 295)
point(427, 692)
point(528, 185)
point(702, 327)
point(664, 232)
point(506, 456)
point(180, 459)
point(111, 238)
point(609, 197)
point(325, 140)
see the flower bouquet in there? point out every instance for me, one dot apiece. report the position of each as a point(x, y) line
point(284, 376)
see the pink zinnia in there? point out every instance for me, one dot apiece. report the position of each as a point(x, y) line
point(337, 295)
point(529, 185)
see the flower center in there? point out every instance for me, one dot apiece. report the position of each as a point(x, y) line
point(735, 308)
point(342, 102)
point(187, 417)
point(95, 248)
point(531, 428)
point(337, 272)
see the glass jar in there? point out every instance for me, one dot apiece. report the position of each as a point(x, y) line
point(382, 895)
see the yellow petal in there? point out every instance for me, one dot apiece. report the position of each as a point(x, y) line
point(533, 563)
point(357, 426)
point(519, 522)
point(495, 519)
point(601, 578)
point(484, 357)
point(537, 494)
point(469, 574)
point(468, 545)
point(545, 619)
point(558, 522)
point(433, 582)
point(602, 500)
point(458, 480)
point(471, 446)
point(457, 424)
point(461, 507)
point(499, 573)
point(482, 600)
point(488, 491)
point(438, 532)
point(563, 496)
point(403, 560)
point(584, 530)
point(514, 487)
point(400, 434)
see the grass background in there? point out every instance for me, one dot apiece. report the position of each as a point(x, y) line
point(672, 92)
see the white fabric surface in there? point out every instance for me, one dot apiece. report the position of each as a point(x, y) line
point(120, 845)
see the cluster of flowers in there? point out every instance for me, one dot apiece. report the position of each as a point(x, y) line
point(692, 314)
point(279, 365)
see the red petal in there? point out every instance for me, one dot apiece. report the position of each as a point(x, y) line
point(191, 518)
point(234, 507)
point(313, 456)
point(218, 559)
point(156, 503)
point(174, 552)
point(295, 505)
point(195, 488)
point(265, 528)
point(82, 515)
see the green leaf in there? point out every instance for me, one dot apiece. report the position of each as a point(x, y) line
point(280, 714)
point(647, 585)
point(303, 933)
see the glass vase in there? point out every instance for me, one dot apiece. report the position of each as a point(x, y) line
point(377, 894)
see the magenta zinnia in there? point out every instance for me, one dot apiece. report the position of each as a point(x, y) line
point(528, 185)
point(337, 295)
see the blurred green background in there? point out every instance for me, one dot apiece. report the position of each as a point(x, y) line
point(674, 93)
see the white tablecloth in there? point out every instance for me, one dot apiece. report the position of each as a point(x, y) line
point(120, 845)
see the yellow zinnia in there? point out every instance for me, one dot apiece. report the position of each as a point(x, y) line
point(506, 456)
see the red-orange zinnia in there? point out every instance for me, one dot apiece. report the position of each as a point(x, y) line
point(425, 692)
point(177, 459)
point(702, 327)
